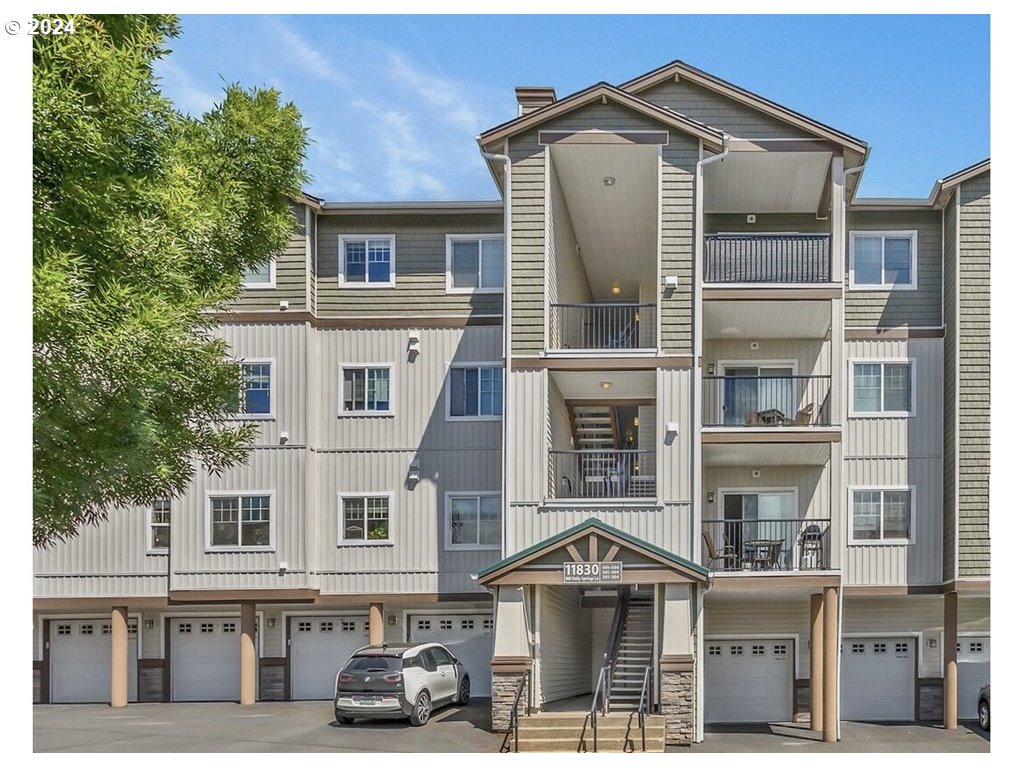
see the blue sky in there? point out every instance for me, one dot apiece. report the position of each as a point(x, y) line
point(394, 103)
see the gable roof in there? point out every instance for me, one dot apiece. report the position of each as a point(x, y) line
point(592, 525)
point(944, 187)
point(604, 92)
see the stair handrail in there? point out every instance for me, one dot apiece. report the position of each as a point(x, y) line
point(644, 707)
point(512, 733)
point(611, 651)
point(600, 695)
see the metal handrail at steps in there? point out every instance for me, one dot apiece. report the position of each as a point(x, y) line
point(642, 709)
point(512, 733)
point(600, 695)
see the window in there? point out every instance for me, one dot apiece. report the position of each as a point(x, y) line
point(475, 263)
point(347, 626)
point(366, 261)
point(881, 647)
point(63, 629)
point(206, 628)
point(882, 388)
point(757, 650)
point(883, 260)
point(254, 389)
point(326, 626)
point(105, 629)
point(423, 625)
point(365, 391)
point(305, 626)
point(260, 276)
point(160, 525)
point(488, 625)
point(474, 521)
point(475, 392)
point(364, 520)
point(857, 648)
point(780, 650)
point(976, 647)
point(467, 624)
point(902, 647)
point(735, 650)
point(714, 650)
point(228, 628)
point(184, 628)
point(880, 516)
point(445, 624)
point(240, 522)
point(85, 629)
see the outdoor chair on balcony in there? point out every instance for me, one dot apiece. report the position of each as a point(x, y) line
point(810, 547)
point(766, 555)
point(802, 418)
point(728, 556)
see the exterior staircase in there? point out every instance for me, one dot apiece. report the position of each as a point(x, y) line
point(593, 427)
point(634, 654)
point(571, 732)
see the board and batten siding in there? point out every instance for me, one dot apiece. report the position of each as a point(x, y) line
point(564, 653)
point(974, 326)
point(949, 386)
point(420, 266)
point(290, 267)
point(674, 453)
point(812, 486)
point(678, 173)
point(812, 356)
point(921, 307)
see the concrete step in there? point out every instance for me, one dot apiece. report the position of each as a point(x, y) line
point(574, 731)
point(603, 745)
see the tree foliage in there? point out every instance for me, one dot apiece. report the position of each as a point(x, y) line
point(144, 220)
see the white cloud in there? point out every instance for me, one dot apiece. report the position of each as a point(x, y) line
point(177, 85)
point(304, 52)
point(438, 91)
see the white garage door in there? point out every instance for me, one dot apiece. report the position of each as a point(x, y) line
point(470, 638)
point(973, 667)
point(205, 658)
point(80, 661)
point(748, 681)
point(878, 676)
point(320, 646)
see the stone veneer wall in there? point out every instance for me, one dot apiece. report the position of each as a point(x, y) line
point(677, 700)
point(504, 684)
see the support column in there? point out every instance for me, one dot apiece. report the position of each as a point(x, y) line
point(949, 680)
point(376, 623)
point(119, 656)
point(247, 637)
point(817, 660)
point(830, 638)
point(676, 665)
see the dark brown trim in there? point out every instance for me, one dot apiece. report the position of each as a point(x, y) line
point(184, 596)
point(781, 293)
point(368, 323)
point(970, 586)
point(857, 334)
point(602, 137)
point(676, 662)
point(167, 660)
point(273, 661)
point(44, 670)
point(772, 435)
point(895, 590)
point(95, 603)
point(630, 575)
point(742, 583)
point(601, 363)
point(511, 663)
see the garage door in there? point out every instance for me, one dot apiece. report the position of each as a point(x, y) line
point(973, 666)
point(748, 681)
point(80, 661)
point(470, 638)
point(205, 659)
point(320, 646)
point(878, 676)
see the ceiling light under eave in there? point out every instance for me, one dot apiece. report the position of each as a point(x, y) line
point(608, 181)
point(616, 289)
point(606, 385)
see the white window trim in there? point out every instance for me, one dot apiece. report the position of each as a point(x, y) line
point(912, 286)
point(448, 544)
point(150, 549)
point(208, 518)
point(851, 413)
point(263, 286)
point(340, 519)
point(342, 283)
point(342, 413)
point(911, 528)
point(448, 389)
point(448, 240)
point(271, 416)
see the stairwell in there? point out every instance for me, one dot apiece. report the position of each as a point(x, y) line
point(593, 427)
point(634, 654)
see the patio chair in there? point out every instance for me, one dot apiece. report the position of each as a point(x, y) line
point(727, 555)
point(802, 418)
point(766, 557)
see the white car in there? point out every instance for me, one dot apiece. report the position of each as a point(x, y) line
point(399, 681)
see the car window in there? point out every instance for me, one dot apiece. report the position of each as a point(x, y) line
point(440, 656)
point(426, 660)
point(374, 664)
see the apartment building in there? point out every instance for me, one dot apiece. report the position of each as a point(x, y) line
point(679, 415)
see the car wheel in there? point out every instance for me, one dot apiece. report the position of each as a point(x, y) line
point(983, 715)
point(342, 720)
point(421, 710)
point(464, 691)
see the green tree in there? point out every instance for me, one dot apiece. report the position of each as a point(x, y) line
point(144, 220)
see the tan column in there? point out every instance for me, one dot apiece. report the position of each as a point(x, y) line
point(376, 623)
point(830, 640)
point(949, 681)
point(817, 660)
point(119, 656)
point(247, 637)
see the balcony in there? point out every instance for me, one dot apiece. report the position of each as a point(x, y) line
point(764, 402)
point(603, 327)
point(766, 546)
point(767, 259)
point(601, 474)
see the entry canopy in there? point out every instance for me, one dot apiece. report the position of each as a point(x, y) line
point(569, 558)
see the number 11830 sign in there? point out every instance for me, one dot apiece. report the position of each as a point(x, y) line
point(592, 573)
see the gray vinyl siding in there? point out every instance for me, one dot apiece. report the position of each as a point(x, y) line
point(559, 423)
point(974, 376)
point(528, 229)
point(720, 112)
point(678, 168)
point(564, 644)
point(812, 356)
point(812, 486)
point(290, 280)
point(887, 309)
point(674, 456)
point(766, 222)
point(420, 266)
point(949, 391)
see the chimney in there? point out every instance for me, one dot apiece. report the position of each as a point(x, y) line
point(533, 97)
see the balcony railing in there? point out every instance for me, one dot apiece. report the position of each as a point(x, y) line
point(603, 326)
point(767, 259)
point(601, 474)
point(766, 545)
point(767, 401)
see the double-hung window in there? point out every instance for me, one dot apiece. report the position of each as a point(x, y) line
point(364, 519)
point(254, 396)
point(160, 525)
point(882, 388)
point(263, 275)
point(366, 261)
point(882, 515)
point(475, 263)
point(883, 260)
point(475, 392)
point(240, 521)
point(474, 521)
point(366, 390)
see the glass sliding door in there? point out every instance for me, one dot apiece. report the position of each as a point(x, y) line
point(757, 391)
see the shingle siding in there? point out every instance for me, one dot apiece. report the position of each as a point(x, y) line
point(290, 280)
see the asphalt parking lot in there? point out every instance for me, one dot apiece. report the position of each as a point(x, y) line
point(308, 726)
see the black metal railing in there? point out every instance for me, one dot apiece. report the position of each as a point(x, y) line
point(766, 545)
point(598, 704)
point(767, 259)
point(767, 401)
point(601, 474)
point(643, 708)
point(603, 326)
point(511, 741)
